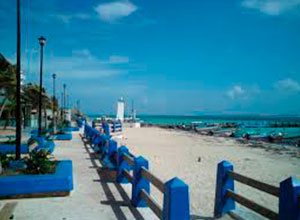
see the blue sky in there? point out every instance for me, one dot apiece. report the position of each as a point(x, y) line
point(170, 57)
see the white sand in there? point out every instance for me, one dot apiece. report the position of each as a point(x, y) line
point(175, 153)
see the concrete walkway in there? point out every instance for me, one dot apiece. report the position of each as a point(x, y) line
point(93, 197)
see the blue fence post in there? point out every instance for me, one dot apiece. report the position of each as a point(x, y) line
point(139, 182)
point(176, 200)
point(110, 151)
point(85, 131)
point(223, 204)
point(114, 127)
point(289, 201)
point(122, 164)
point(95, 139)
point(106, 128)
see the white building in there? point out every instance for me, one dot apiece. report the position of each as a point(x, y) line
point(120, 109)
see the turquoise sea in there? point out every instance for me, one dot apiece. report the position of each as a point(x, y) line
point(289, 126)
point(246, 119)
point(250, 120)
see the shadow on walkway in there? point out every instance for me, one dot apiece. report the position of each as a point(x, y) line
point(198, 217)
point(107, 176)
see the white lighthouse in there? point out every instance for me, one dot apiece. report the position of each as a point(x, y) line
point(120, 109)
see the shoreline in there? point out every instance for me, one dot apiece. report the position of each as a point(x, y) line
point(280, 148)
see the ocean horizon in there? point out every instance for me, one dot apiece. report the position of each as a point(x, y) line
point(256, 119)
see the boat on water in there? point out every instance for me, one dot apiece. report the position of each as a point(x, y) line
point(256, 132)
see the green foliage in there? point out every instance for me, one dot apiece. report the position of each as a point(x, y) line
point(5, 159)
point(29, 96)
point(7, 76)
point(63, 124)
point(31, 93)
point(9, 142)
point(39, 163)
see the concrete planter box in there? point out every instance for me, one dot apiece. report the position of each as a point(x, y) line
point(44, 144)
point(59, 183)
point(11, 149)
point(63, 137)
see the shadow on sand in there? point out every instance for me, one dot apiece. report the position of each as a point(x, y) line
point(107, 176)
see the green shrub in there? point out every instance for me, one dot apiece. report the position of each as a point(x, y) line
point(39, 163)
point(5, 159)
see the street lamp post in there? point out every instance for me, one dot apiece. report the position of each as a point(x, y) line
point(42, 42)
point(18, 87)
point(53, 104)
point(61, 106)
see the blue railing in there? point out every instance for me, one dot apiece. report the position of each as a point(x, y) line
point(116, 127)
point(135, 170)
point(288, 193)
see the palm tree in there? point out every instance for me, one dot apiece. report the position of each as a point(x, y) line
point(29, 94)
point(7, 83)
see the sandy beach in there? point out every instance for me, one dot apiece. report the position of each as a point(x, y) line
point(194, 158)
point(191, 157)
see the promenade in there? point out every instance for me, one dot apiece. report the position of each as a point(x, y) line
point(93, 197)
point(171, 153)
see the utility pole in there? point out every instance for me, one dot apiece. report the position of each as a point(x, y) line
point(18, 111)
point(53, 104)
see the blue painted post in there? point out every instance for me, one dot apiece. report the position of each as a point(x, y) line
point(114, 127)
point(95, 139)
point(96, 142)
point(93, 133)
point(87, 130)
point(84, 131)
point(122, 164)
point(139, 182)
point(289, 203)
point(223, 204)
point(176, 204)
point(105, 127)
point(109, 153)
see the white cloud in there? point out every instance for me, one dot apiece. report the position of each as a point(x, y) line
point(271, 7)
point(83, 52)
point(111, 12)
point(66, 18)
point(82, 65)
point(288, 85)
point(114, 59)
point(236, 92)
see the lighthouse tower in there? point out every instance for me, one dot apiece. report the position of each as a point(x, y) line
point(120, 109)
